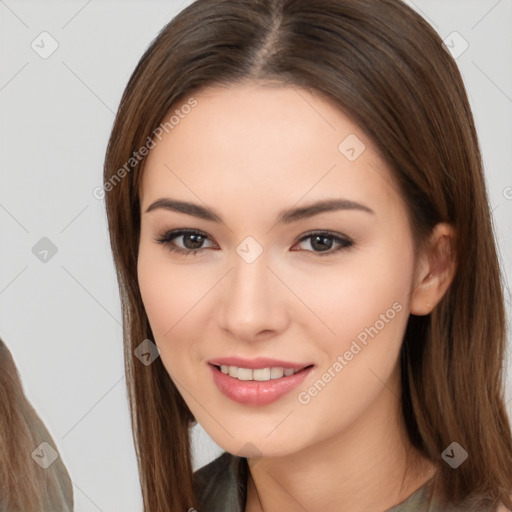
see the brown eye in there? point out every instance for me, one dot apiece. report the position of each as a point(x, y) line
point(191, 243)
point(323, 242)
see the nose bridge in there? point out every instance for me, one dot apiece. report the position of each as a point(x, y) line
point(250, 279)
point(251, 300)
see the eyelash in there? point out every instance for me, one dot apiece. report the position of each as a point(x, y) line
point(166, 238)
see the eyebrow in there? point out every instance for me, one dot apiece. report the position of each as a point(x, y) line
point(285, 217)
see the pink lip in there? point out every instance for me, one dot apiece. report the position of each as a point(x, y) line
point(256, 392)
point(258, 362)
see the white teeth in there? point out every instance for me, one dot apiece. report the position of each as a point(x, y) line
point(244, 374)
point(259, 374)
point(276, 373)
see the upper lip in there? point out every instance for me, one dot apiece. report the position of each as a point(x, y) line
point(256, 363)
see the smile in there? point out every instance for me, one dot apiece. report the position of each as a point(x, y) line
point(259, 374)
point(258, 386)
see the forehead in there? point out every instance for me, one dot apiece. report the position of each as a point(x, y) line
point(264, 144)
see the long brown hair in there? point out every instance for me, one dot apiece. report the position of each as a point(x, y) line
point(386, 68)
point(26, 486)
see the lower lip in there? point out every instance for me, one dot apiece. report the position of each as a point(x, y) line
point(251, 392)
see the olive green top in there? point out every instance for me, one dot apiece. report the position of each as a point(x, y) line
point(221, 486)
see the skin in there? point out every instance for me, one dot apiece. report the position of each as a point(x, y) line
point(248, 152)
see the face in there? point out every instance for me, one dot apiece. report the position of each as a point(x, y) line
point(262, 273)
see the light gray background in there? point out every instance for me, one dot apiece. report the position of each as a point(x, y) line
point(61, 319)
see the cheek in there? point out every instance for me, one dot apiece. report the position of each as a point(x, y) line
point(176, 298)
point(363, 305)
point(168, 290)
point(351, 296)
point(168, 295)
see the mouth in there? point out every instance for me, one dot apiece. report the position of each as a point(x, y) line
point(258, 374)
point(257, 386)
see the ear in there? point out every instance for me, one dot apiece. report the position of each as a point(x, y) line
point(435, 270)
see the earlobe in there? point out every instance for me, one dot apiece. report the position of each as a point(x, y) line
point(437, 268)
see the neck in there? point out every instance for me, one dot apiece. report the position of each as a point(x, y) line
point(369, 466)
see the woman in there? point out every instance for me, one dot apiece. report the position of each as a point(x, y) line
point(299, 221)
point(32, 476)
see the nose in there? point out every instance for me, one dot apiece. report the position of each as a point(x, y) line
point(252, 302)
